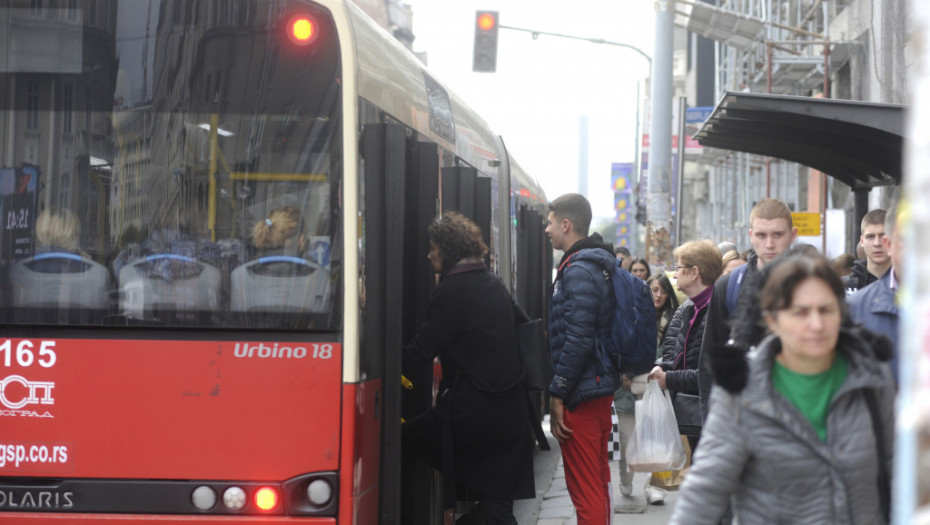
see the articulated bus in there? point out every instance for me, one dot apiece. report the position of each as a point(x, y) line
point(213, 248)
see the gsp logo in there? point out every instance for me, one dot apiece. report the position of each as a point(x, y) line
point(16, 392)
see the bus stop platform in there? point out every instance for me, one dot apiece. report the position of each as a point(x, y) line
point(553, 506)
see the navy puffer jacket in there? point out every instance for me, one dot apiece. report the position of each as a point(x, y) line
point(580, 308)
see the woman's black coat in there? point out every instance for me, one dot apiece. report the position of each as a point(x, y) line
point(681, 364)
point(470, 325)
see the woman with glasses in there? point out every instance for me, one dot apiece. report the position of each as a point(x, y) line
point(802, 432)
point(698, 265)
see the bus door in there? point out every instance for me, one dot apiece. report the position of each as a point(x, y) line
point(465, 191)
point(400, 186)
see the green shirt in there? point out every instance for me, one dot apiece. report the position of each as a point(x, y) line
point(811, 393)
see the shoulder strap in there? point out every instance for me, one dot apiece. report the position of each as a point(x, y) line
point(884, 483)
point(567, 262)
point(734, 283)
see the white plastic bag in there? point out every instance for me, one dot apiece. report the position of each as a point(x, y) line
point(655, 444)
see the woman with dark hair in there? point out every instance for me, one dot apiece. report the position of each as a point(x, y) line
point(640, 268)
point(806, 434)
point(479, 431)
point(666, 302)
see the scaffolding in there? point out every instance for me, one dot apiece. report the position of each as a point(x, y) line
point(812, 48)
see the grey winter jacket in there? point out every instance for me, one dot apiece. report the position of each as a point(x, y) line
point(758, 447)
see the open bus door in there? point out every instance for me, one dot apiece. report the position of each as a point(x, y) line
point(401, 188)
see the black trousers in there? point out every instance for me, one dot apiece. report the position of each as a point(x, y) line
point(497, 511)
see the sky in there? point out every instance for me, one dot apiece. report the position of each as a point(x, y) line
point(543, 87)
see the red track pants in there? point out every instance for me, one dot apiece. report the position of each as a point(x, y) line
point(584, 457)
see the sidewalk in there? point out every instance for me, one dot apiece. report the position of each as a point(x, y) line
point(553, 506)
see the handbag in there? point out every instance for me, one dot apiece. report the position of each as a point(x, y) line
point(688, 414)
point(534, 355)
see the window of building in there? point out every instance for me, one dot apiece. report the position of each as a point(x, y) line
point(67, 106)
point(32, 105)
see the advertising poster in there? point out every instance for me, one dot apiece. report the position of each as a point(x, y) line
point(17, 212)
point(621, 178)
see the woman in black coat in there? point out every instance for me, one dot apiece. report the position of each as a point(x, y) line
point(480, 428)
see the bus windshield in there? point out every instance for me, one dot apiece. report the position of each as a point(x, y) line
point(170, 163)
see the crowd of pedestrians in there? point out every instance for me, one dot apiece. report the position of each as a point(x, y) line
point(780, 365)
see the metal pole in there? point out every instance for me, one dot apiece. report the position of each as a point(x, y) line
point(535, 33)
point(660, 137)
point(583, 156)
point(637, 162)
point(826, 94)
point(680, 167)
point(769, 51)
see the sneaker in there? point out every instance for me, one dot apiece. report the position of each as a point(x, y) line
point(626, 490)
point(654, 497)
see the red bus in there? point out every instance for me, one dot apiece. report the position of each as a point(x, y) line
point(160, 361)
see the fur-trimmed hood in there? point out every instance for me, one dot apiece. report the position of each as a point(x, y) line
point(731, 366)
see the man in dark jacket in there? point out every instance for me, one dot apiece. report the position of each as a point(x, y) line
point(771, 232)
point(584, 383)
point(876, 262)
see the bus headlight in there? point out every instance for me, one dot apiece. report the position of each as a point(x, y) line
point(234, 498)
point(203, 497)
point(319, 492)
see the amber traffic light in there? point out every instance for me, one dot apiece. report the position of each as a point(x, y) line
point(485, 56)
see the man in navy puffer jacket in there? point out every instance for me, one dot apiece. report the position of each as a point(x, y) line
point(584, 383)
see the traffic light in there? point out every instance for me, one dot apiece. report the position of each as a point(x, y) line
point(485, 59)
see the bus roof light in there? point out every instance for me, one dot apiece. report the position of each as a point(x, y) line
point(266, 498)
point(302, 29)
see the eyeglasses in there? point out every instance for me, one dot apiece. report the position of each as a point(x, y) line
point(684, 267)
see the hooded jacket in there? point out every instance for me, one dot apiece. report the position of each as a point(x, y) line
point(758, 447)
point(859, 276)
point(579, 310)
point(719, 320)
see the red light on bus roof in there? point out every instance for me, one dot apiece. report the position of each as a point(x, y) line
point(302, 29)
point(487, 21)
point(266, 498)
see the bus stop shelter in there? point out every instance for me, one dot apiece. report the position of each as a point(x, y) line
point(857, 143)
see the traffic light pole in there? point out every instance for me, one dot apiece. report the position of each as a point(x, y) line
point(536, 34)
point(658, 232)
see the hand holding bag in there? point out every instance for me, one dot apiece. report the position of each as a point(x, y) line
point(655, 444)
